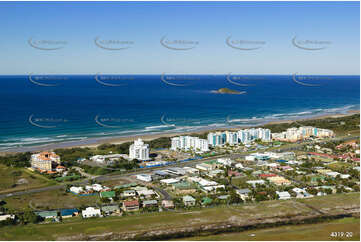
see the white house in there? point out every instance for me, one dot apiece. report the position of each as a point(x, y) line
point(139, 150)
point(344, 176)
point(243, 193)
point(283, 195)
point(169, 181)
point(91, 212)
point(6, 216)
point(191, 170)
point(255, 182)
point(225, 161)
point(301, 193)
point(76, 190)
point(250, 158)
point(239, 166)
point(129, 193)
point(146, 193)
point(144, 177)
point(97, 187)
point(332, 173)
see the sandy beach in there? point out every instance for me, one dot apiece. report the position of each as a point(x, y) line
point(91, 143)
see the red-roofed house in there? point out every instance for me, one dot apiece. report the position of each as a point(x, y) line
point(267, 175)
point(132, 205)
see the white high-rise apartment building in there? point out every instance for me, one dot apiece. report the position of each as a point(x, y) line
point(294, 134)
point(249, 135)
point(189, 143)
point(139, 150)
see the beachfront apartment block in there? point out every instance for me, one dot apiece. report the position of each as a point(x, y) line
point(243, 136)
point(295, 134)
point(249, 135)
point(189, 143)
point(138, 150)
point(45, 161)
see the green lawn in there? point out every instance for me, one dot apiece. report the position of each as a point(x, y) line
point(11, 177)
point(162, 221)
point(49, 200)
point(320, 231)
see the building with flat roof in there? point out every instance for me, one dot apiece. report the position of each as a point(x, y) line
point(189, 143)
point(139, 150)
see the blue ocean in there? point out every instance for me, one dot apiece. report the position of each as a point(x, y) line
point(38, 110)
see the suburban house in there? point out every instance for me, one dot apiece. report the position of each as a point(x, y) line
point(6, 216)
point(150, 203)
point(129, 193)
point(144, 177)
point(279, 180)
point(60, 168)
point(68, 213)
point(255, 182)
point(91, 212)
point(76, 190)
point(110, 209)
point(146, 193)
point(167, 204)
point(283, 195)
point(109, 194)
point(206, 201)
point(189, 201)
point(301, 193)
point(47, 214)
point(243, 193)
point(132, 205)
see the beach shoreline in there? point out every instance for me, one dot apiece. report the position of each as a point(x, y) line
point(92, 143)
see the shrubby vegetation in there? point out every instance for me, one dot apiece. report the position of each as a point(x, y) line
point(341, 124)
point(16, 160)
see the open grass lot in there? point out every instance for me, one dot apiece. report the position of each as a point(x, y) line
point(49, 200)
point(339, 165)
point(18, 179)
point(320, 231)
point(333, 203)
point(242, 214)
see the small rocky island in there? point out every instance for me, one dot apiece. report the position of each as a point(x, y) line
point(227, 91)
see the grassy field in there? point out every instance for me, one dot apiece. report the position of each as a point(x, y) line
point(11, 179)
point(320, 231)
point(49, 200)
point(173, 220)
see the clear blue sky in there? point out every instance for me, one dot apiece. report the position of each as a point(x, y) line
point(145, 23)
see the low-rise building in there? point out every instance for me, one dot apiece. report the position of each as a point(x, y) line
point(146, 193)
point(110, 210)
point(189, 201)
point(108, 194)
point(129, 193)
point(6, 216)
point(150, 203)
point(68, 213)
point(283, 195)
point(255, 182)
point(47, 214)
point(167, 204)
point(144, 177)
point(130, 206)
point(91, 212)
point(76, 190)
point(243, 193)
point(279, 180)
